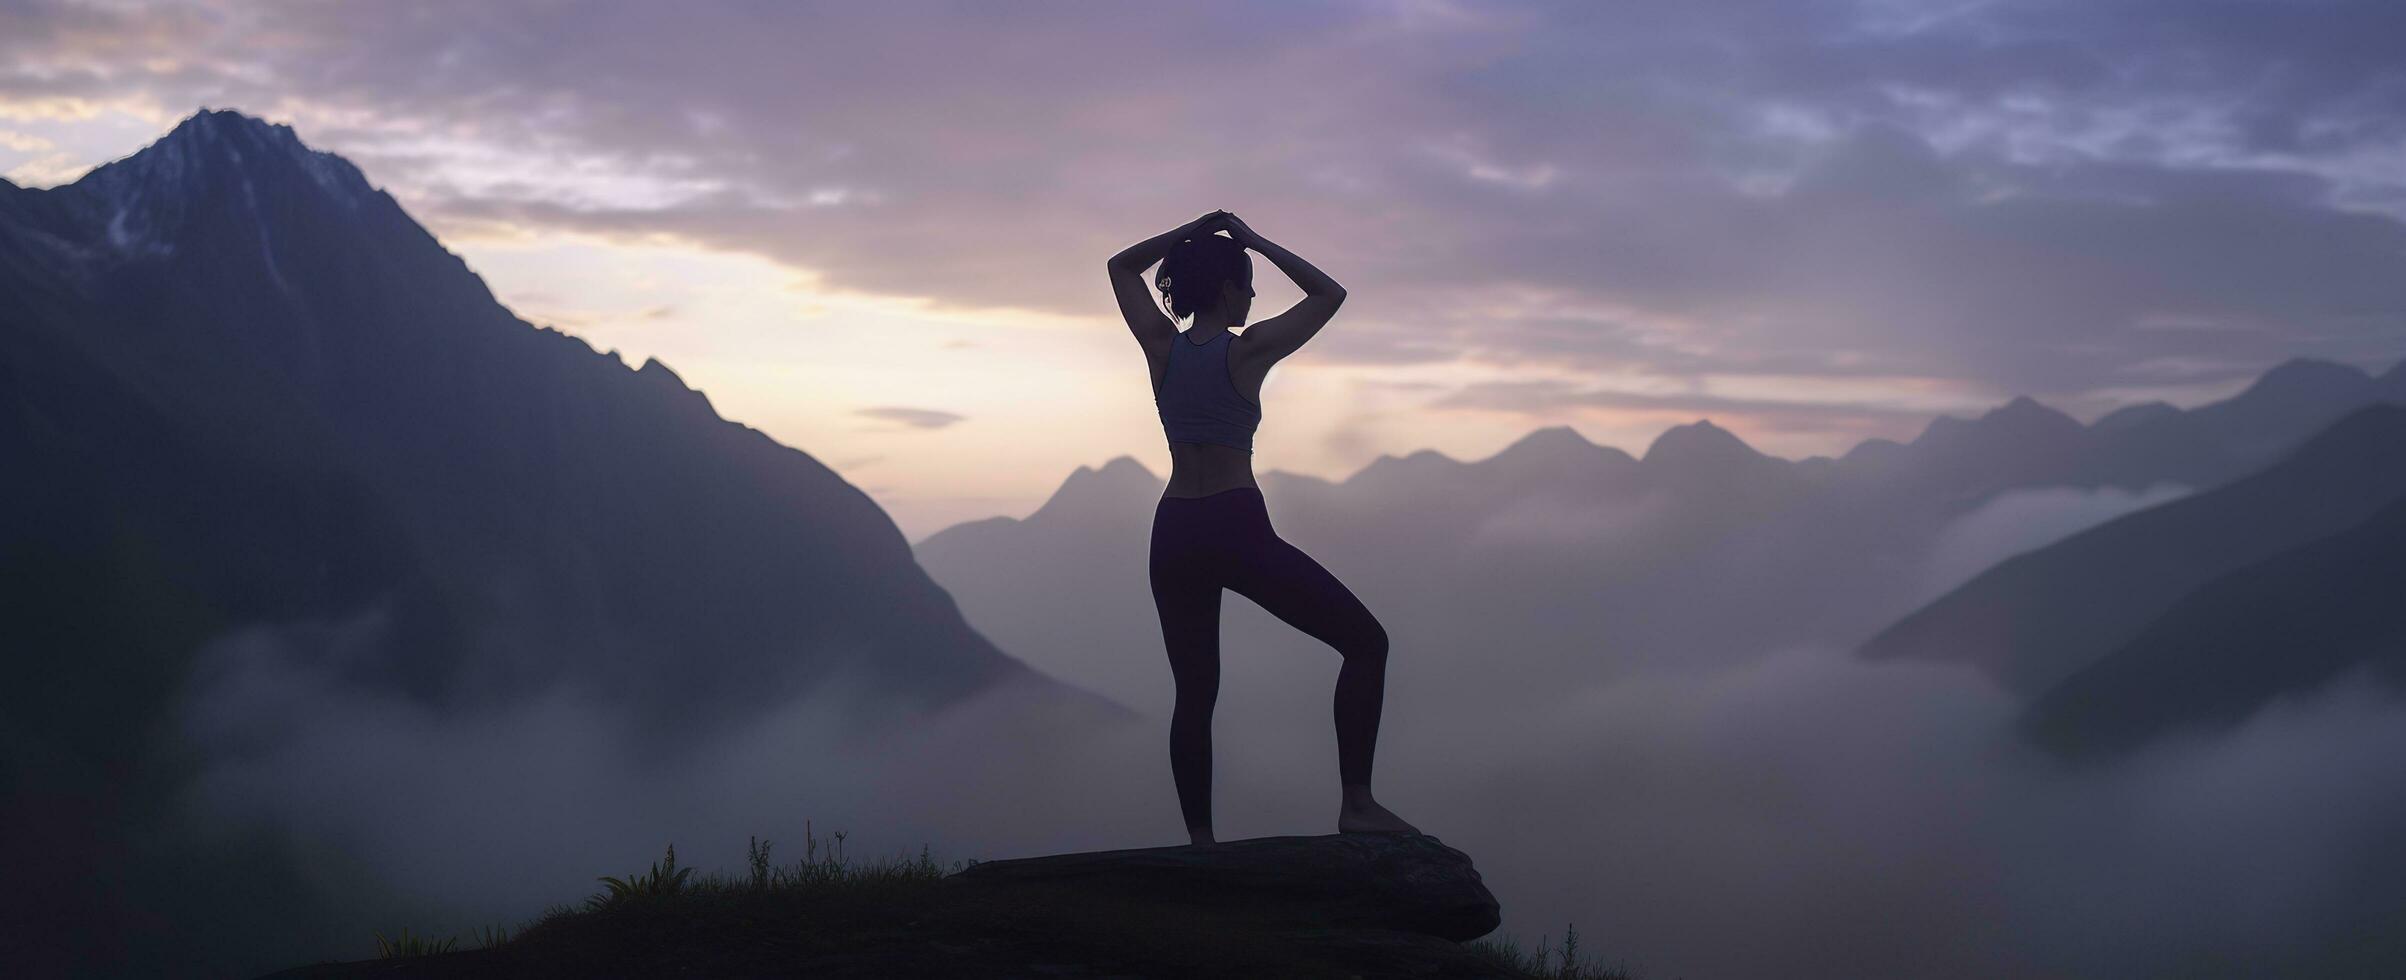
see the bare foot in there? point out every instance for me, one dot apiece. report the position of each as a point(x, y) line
point(1362, 815)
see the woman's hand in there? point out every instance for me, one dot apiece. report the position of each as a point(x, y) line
point(1238, 230)
point(1209, 223)
point(1142, 255)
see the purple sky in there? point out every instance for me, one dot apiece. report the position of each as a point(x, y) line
point(1811, 222)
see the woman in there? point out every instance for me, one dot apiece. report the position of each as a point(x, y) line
point(1211, 530)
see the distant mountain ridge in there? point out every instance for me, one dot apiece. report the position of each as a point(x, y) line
point(2042, 615)
point(2280, 626)
point(1588, 562)
point(2020, 443)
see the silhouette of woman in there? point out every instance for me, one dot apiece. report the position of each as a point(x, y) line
point(1211, 530)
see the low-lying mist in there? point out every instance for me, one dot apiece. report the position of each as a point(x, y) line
point(2016, 521)
point(1798, 814)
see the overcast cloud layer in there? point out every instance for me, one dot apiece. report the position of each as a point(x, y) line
point(1703, 203)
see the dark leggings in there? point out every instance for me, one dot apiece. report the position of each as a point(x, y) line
point(1223, 541)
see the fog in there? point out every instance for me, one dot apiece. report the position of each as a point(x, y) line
point(2016, 521)
point(1799, 814)
point(1595, 526)
point(504, 809)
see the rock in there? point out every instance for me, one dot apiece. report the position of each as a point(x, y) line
point(1344, 907)
point(1407, 882)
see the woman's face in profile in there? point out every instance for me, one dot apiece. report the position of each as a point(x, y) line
point(1237, 297)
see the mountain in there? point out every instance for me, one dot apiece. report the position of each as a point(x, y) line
point(2281, 626)
point(243, 394)
point(1079, 554)
point(1087, 490)
point(2217, 442)
point(1701, 453)
point(1701, 461)
point(1437, 547)
point(2044, 614)
point(1558, 456)
point(256, 310)
point(1583, 563)
point(2021, 443)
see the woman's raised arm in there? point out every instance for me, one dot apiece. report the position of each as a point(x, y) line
point(1275, 338)
point(1142, 255)
point(1136, 304)
point(1307, 276)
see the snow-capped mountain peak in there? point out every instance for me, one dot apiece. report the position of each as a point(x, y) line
point(139, 205)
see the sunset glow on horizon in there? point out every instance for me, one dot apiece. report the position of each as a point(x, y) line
point(893, 263)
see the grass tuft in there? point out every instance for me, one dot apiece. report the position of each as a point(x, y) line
point(663, 879)
point(406, 945)
point(492, 936)
point(1541, 963)
point(824, 864)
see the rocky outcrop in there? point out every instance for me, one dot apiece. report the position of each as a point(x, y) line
point(1349, 906)
point(1404, 882)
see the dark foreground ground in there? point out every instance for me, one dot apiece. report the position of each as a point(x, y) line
point(930, 932)
point(906, 922)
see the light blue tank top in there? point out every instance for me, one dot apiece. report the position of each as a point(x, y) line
point(1198, 401)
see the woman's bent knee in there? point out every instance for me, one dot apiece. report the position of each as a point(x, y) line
point(1370, 645)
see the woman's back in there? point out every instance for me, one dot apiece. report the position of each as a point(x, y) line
point(1197, 398)
point(1206, 415)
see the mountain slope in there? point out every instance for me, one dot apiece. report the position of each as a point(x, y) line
point(240, 389)
point(275, 310)
point(1083, 550)
point(2280, 626)
point(2020, 443)
point(2217, 442)
point(2041, 615)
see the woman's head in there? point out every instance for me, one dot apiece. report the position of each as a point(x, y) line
point(1207, 274)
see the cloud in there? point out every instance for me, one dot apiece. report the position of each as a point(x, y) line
point(1997, 194)
point(1807, 815)
point(917, 418)
point(2016, 521)
point(494, 810)
point(1548, 525)
point(1802, 814)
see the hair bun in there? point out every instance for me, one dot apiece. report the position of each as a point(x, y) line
point(1194, 270)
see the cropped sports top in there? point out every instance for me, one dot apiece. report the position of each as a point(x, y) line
point(1198, 401)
